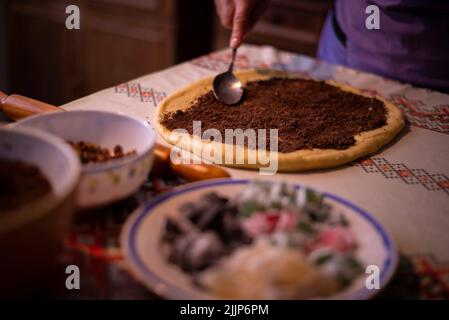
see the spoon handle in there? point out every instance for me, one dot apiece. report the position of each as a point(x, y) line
point(231, 65)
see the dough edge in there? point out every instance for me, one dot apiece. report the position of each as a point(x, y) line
point(366, 142)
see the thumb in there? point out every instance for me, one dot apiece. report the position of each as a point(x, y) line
point(239, 23)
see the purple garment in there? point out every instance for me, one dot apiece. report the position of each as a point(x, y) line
point(412, 44)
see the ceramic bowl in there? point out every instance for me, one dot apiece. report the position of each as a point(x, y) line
point(142, 233)
point(31, 235)
point(103, 183)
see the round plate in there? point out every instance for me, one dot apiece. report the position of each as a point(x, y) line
point(141, 236)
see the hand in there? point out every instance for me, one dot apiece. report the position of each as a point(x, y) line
point(240, 16)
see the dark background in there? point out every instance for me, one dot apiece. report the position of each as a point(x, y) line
point(123, 39)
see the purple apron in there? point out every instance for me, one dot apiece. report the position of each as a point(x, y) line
point(412, 44)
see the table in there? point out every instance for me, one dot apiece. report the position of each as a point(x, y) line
point(405, 185)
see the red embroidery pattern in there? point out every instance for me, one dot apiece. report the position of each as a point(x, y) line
point(432, 182)
point(434, 277)
point(219, 61)
point(134, 89)
point(434, 118)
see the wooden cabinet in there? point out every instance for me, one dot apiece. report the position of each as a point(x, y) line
point(118, 40)
point(34, 68)
point(121, 44)
point(292, 25)
point(124, 39)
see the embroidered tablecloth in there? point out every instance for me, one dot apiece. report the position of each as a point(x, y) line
point(405, 185)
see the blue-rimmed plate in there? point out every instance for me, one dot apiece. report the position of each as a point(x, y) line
point(141, 236)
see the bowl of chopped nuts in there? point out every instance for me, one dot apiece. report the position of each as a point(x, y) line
point(115, 150)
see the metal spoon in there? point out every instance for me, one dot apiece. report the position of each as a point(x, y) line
point(226, 87)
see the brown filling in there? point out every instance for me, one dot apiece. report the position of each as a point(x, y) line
point(21, 183)
point(90, 152)
point(308, 114)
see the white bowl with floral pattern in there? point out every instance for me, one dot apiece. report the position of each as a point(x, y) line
point(105, 182)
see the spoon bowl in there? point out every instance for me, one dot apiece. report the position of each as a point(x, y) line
point(226, 86)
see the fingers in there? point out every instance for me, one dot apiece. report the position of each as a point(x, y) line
point(225, 11)
point(239, 22)
point(240, 15)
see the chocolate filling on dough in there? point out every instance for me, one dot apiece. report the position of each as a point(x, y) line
point(308, 114)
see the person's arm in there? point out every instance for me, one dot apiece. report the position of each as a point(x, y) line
point(240, 16)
